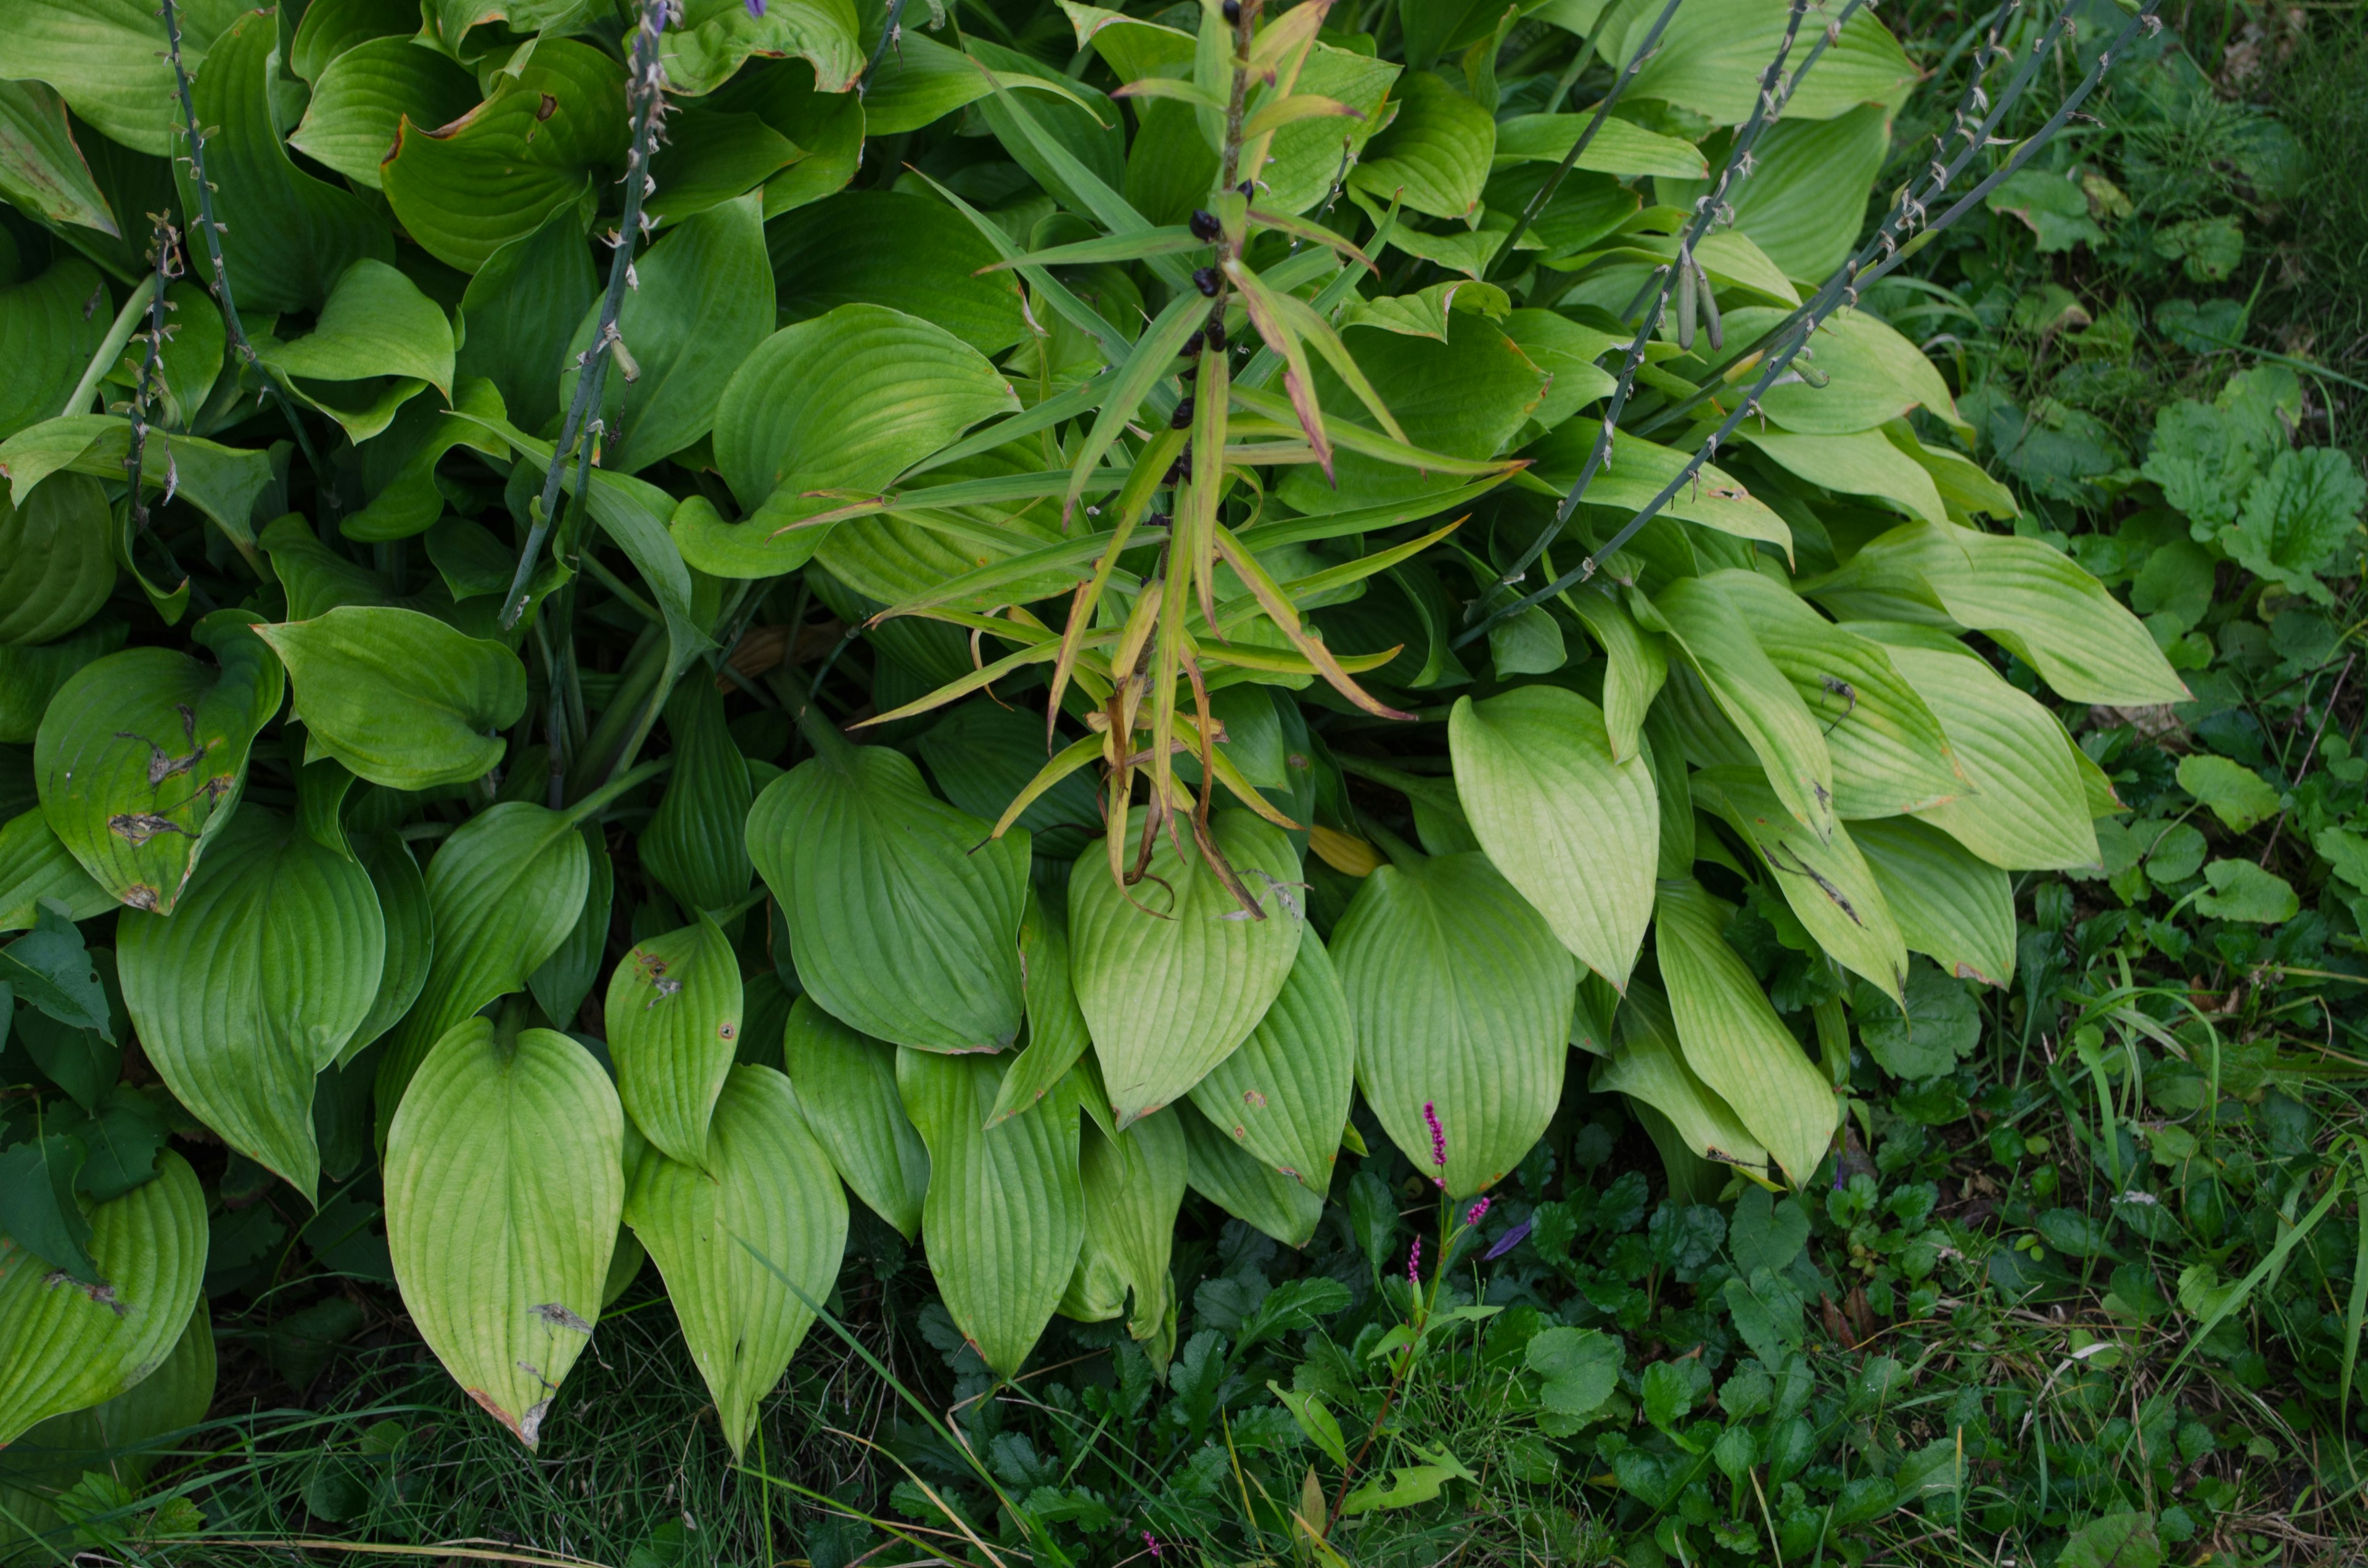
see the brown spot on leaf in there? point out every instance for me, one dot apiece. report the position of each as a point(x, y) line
point(140, 896)
point(547, 107)
point(555, 1315)
point(136, 828)
point(103, 1294)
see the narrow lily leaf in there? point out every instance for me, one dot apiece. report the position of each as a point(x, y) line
point(1146, 363)
point(1005, 1216)
point(903, 916)
point(764, 1187)
point(1570, 827)
point(255, 983)
point(673, 1014)
point(1284, 1096)
point(1953, 906)
point(1827, 883)
point(1134, 1187)
point(1237, 1182)
point(67, 1346)
point(505, 1185)
point(1172, 974)
point(1462, 999)
point(846, 1084)
point(1172, 87)
point(1648, 1063)
point(1114, 247)
point(1732, 1039)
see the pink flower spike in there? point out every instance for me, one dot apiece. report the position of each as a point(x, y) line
point(1477, 1213)
point(756, 8)
point(1414, 1263)
point(1151, 1542)
point(1438, 1135)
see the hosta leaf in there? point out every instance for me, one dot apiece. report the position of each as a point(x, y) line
point(410, 935)
point(762, 1198)
point(117, 1436)
point(1713, 54)
point(2025, 809)
point(465, 188)
point(1575, 831)
point(1953, 907)
point(1827, 883)
point(1648, 1063)
point(254, 983)
point(1716, 642)
point(1875, 374)
point(1057, 1035)
point(562, 981)
point(521, 307)
point(1005, 1216)
point(713, 37)
point(904, 923)
point(505, 1185)
point(374, 323)
point(34, 866)
point(51, 338)
point(222, 482)
point(503, 892)
point(398, 697)
point(1133, 1185)
point(891, 247)
point(29, 677)
point(705, 300)
point(674, 1030)
point(1732, 1039)
point(287, 237)
point(1619, 147)
point(1435, 152)
point(107, 58)
point(846, 1084)
point(1172, 979)
point(1462, 999)
point(693, 843)
point(1890, 754)
point(1284, 1096)
point(1251, 1191)
point(1636, 662)
point(57, 564)
point(363, 95)
point(982, 754)
point(66, 1345)
point(1862, 463)
point(142, 753)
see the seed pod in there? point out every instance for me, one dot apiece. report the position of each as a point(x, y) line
point(1205, 227)
point(1182, 418)
point(1711, 323)
point(1685, 300)
point(1207, 280)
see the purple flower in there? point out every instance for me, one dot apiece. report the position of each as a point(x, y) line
point(1150, 1541)
point(757, 9)
point(1414, 1263)
point(1476, 1213)
point(1438, 1135)
point(1507, 1241)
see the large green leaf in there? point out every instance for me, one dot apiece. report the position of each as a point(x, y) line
point(1953, 907)
point(1435, 154)
point(2026, 809)
point(891, 247)
point(674, 1031)
point(254, 984)
point(287, 237)
point(1648, 1063)
point(1575, 831)
point(360, 100)
point(763, 1197)
point(30, 677)
point(693, 844)
point(562, 981)
point(904, 923)
point(712, 38)
point(505, 1186)
point(847, 400)
point(521, 308)
point(1713, 55)
point(1057, 1035)
point(1827, 883)
point(1171, 974)
point(34, 866)
point(705, 301)
point(410, 935)
point(377, 342)
point(503, 892)
point(66, 1345)
point(1242, 1185)
point(222, 482)
point(1732, 1039)
point(141, 754)
point(398, 697)
point(1284, 1096)
point(1005, 1216)
point(1875, 374)
point(846, 1084)
point(1133, 1185)
point(542, 142)
point(51, 338)
point(57, 561)
point(107, 58)
point(1462, 999)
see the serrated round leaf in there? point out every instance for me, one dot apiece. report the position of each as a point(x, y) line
point(141, 754)
point(693, 844)
point(410, 936)
point(398, 697)
point(254, 983)
point(502, 892)
point(1731, 1036)
point(764, 1188)
point(846, 1084)
point(1284, 1096)
point(57, 561)
point(1005, 1216)
point(1575, 831)
point(1169, 995)
point(65, 1346)
point(1134, 1187)
point(904, 917)
point(505, 1185)
point(1253, 1192)
point(1462, 999)
point(674, 1030)
point(1953, 906)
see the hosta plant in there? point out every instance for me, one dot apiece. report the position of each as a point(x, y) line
point(619, 621)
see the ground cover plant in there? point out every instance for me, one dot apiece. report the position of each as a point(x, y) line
point(1332, 702)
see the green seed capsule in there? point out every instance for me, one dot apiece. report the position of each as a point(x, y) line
point(1685, 300)
point(1710, 309)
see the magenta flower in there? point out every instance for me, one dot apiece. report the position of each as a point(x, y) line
point(1414, 1263)
point(1438, 1140)
point(1477, 1213)
point(1149, 1540)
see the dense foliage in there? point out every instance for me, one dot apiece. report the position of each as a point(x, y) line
point(623, 620)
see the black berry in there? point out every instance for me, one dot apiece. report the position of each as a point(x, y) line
point(1182, 418)
point(1206, 280)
